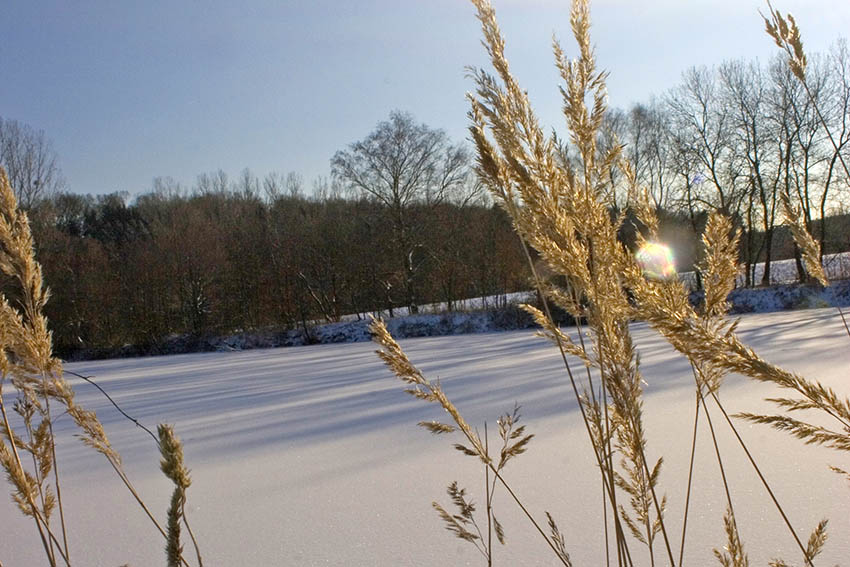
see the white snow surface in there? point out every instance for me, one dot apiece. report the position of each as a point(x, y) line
point(311, 455)
point(835, 266)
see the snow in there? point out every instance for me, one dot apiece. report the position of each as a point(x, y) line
point(491, 313)
point(465, 304)
point(835, 266)
point(508, 316)
point(311, 456)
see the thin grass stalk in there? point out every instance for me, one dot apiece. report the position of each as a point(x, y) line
point(733, 523)
point(608, 452)
point(844, 320)
point(690, 479)
point(485, 551)
point(108, 397)
point(55, 541)
point(35, 513)
point(602, 394)
point(611, 492)
point(762, 478)
point(648, 527)
point(120, 472)
point(607, 433)
point(126, 480)
point(798, 68)
point(580, 332)
point(605, 524)
point(489, 504)
point(37, 470)
point(731, 509)
point(525, 511)
point(55, 468)
point(191, 534)
point(622, 549)
point(658, 511)
point(523, 508)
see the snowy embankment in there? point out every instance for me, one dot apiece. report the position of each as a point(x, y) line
point(508, 316)
point(491, 313)
point(836, 267)
point(311, 456)
point(487, 314)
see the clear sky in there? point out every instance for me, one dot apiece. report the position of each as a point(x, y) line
point(132, 90)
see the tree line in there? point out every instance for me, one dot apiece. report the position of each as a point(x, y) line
point(207, 262)
point(733, 137)
point(403, 221)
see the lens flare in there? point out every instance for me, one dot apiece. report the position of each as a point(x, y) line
point(656, 261)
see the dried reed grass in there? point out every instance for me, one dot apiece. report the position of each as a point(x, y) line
point(27, 364)
point(564, 209)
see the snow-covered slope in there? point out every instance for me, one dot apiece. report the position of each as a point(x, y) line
point(311, 456)
point(504, 317)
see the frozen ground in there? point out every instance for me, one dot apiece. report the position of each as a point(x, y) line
point(310, 455)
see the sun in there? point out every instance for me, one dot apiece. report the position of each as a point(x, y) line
point(656, 261)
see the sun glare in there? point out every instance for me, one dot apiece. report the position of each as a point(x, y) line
point(656, 261)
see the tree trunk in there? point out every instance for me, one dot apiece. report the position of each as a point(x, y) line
point(768, 250)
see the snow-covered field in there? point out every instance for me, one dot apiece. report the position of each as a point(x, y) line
point(311, 455)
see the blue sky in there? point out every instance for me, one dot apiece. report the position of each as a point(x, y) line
point(132, 90)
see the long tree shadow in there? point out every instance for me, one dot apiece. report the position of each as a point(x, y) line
point(232, 404)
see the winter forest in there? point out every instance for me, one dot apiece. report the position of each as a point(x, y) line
point(402, 220)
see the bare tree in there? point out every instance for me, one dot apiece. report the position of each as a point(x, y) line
point(648, 146)
point(763, 141)
point(30, 162)
point(402, 164)
point(216, 182)
point(702, 124)
point(836, 111)
point(275, 185)
point(614, 130)
point(793, 117)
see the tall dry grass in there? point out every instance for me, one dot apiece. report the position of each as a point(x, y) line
point(562, 206)
point(40, 393)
